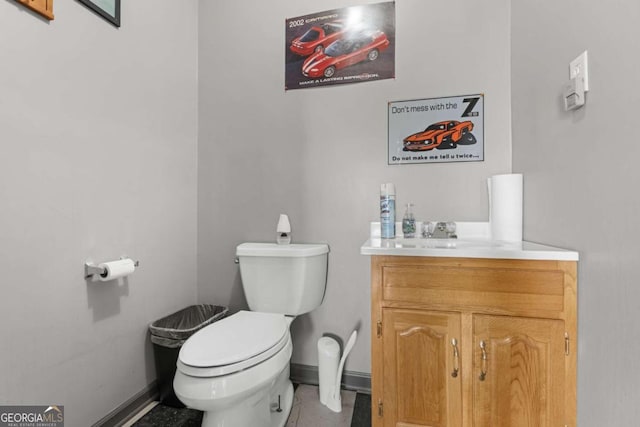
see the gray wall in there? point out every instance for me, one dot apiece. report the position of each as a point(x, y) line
point(320, 154)
point(581, 176)
point(98, 129)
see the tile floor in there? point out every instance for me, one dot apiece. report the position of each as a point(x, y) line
point(307, 411)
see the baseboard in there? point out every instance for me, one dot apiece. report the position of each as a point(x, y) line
point(306, 374)
point(124, 412)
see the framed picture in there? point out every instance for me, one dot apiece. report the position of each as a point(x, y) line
point(108, 9)
point(43, 8)
point(350, 45)
point(436, 130)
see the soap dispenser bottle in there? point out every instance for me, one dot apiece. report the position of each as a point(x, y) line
point(409, 223)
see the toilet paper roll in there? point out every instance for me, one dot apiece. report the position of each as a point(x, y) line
point(505, 207)
point(116, 269)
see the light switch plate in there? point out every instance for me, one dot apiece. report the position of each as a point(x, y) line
point(579, 69)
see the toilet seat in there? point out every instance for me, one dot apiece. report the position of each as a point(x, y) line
point(232, 344)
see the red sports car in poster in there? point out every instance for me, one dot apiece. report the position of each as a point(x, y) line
point(441, 135)
point(350, 45)
point(349, 50)
point(317, 38)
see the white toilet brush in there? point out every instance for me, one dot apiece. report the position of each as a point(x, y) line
point(334, 401)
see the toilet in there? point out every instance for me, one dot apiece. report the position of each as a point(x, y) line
point(237, 370)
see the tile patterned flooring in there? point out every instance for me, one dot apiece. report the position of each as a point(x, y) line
point(307, 411)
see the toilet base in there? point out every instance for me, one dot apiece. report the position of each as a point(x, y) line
point(259, 410)
point(279, 419)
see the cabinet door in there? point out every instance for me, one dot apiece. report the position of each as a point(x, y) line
point(523, 362)
point(421, 369)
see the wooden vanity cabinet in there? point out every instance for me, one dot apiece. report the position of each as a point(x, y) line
point(473, 342)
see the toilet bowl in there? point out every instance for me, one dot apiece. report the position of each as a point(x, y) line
point(237, 369)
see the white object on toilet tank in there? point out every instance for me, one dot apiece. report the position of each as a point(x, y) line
point(286, 279)
point(283, 230)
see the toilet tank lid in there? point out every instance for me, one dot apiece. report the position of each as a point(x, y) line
point(275, 250)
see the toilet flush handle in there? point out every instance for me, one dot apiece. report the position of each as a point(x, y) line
point(236, 260)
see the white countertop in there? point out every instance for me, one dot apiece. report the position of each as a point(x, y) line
point(464, 247)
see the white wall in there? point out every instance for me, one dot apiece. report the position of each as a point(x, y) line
point(78, 93)
point(320, 154)
point(98, 129)
point(581, 174)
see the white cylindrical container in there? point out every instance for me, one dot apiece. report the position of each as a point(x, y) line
point(505, 207)
point(328, 359)
point(387, 211)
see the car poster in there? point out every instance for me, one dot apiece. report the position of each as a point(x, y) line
point(349, 45)
point(437, 130)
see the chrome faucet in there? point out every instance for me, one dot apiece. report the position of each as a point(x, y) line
point(439, 230)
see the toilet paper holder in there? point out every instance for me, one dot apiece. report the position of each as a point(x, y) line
point(91, 268)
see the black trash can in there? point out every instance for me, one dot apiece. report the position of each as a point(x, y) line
point(168, 334)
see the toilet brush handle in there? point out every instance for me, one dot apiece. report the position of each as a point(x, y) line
point(345, 353)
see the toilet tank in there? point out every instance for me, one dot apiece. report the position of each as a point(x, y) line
point(287, 279)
